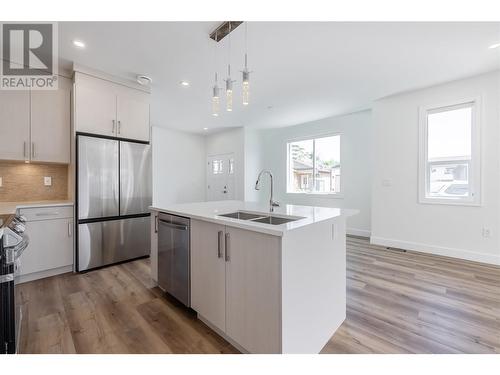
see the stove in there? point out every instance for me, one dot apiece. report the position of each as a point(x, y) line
point(13, 241)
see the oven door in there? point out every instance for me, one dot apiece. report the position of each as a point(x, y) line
point(7, 309)
point(18, 312)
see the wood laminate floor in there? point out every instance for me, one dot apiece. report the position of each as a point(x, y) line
point(397, 302)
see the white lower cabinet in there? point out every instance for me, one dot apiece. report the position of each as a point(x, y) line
point(50, 250)
point(208, 272)
point(236, 284)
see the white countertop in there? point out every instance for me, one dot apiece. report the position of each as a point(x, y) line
point(210, 211)
point(11, 207)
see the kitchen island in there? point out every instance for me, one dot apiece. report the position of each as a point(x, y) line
point(266, 282)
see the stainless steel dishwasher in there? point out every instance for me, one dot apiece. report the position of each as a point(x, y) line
point(174, 257)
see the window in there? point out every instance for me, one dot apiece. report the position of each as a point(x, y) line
point(449, 154)
point(314, 165)
point(218, 166)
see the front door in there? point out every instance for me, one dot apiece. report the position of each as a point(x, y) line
point(220, 177)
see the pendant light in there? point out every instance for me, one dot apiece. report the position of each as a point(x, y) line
point(246, 74)
point(215, 93)
point(229, 81)
point(229, 90)
point(215, 98)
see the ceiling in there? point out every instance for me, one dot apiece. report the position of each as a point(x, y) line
point(302, 71)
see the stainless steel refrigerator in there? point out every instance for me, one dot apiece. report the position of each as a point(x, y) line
point(113, 198)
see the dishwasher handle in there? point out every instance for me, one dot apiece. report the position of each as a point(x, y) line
point(172, 225)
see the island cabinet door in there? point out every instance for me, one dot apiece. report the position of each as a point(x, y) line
point(253, 290)
point(208, 274)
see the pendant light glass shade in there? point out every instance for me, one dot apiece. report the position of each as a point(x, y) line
point(215, 98)
point(215, 101)
point(229, 94)
point(246, 87)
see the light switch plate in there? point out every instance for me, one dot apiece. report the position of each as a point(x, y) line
point(387, 182)
point(47, 181)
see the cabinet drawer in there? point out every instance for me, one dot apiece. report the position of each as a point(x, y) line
point(47, 213)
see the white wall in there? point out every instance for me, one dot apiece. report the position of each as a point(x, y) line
point(398, 219)
point(178, 167)
point(356, 142)
point(253, 162)
point(229, 141)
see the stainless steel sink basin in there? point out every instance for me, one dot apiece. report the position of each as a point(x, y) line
point(274, 220)
point(242, 215)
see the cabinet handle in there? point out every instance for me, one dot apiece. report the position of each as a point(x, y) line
point(70, 231)
point(54, 213)
point(119, 127)
point(219, 244)
point(32, 150)
point(24, 149)
point(156, 223)
point(227, 247)
point(114, 125)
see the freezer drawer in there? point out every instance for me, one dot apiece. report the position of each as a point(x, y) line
point(97, 177)
point(174, 256)
point(107, 242)
point(135, 178)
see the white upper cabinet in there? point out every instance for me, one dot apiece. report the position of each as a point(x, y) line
point(51, 124)
point(95, 106)
point(133, 115)
point(106, 108)
point(35, 125)
point(14, 125)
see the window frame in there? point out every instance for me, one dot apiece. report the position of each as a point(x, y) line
point(475, 186)
point(339, 195)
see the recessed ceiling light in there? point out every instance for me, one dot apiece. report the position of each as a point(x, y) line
point(493, 46)
point(184, 83)
point(78, 43)
point(144, 80)
point(205, 128)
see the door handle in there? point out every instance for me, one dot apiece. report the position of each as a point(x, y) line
point(114, 125)
point(227, 247)
point(173, 226)
point(219, 244)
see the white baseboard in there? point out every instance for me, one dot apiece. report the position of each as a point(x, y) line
point(44, 274)
point(358, 232)
point(437, 250)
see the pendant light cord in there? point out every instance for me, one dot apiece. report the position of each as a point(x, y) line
point(229, 52)
point(215, 57)
point(246, 43)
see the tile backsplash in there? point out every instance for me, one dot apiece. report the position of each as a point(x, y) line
point(25, 182)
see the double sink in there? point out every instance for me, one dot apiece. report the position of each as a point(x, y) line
point(261, 218)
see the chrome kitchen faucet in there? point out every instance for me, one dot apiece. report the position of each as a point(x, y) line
point(272, 203)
